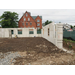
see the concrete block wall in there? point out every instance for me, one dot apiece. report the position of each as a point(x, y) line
point(51, 32)
point(6, 32)
point(59, 34)
point(55, 34)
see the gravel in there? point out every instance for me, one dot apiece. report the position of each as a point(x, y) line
point(8, 58)
point(68, 51)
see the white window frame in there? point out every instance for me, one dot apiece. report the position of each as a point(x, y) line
point(38, 20)
point(38, 24)
point(28, 19)
point(24, 19)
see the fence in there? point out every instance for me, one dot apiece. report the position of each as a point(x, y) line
point(69, 34)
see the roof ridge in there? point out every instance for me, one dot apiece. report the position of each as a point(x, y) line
point(36, 17)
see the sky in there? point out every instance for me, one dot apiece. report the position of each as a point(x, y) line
point(55, 15)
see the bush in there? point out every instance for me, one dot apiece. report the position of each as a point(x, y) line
point(65, 40)
point(70, 46)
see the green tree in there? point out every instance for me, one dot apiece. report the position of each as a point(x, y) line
point(9, 20)
point(71, 27)
point(47, 22)
point(50, 21)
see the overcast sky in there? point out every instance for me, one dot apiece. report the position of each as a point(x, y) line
point(55, 15)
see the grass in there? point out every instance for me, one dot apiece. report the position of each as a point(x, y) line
point(67, 40)
point(70, 46)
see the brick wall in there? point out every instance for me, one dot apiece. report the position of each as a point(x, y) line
point(34, 23)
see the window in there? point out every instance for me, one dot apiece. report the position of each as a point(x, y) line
point(31, 31)
point(38, 20)
point(38, 24)
point(12, 32)
point(48, 31)
point(22, 23)
point(38, 28)
point(39, 31)
point(24, 19)
point(30, 23)
point(26, 14)
point(26, 23)
point(28, 19)
point(19, 31)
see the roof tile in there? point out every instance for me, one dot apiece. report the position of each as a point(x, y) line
point(34, 17)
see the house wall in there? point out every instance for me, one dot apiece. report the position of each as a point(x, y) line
point(34, 22)
point(26, 21)
point(38, 18)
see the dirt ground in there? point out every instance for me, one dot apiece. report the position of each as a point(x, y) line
point(35, 51)
point(67, 44)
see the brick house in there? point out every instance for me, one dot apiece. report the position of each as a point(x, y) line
point(28, 21)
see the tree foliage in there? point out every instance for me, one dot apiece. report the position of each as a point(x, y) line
point(9, 20)
point(71, 27)
point(47, 22)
